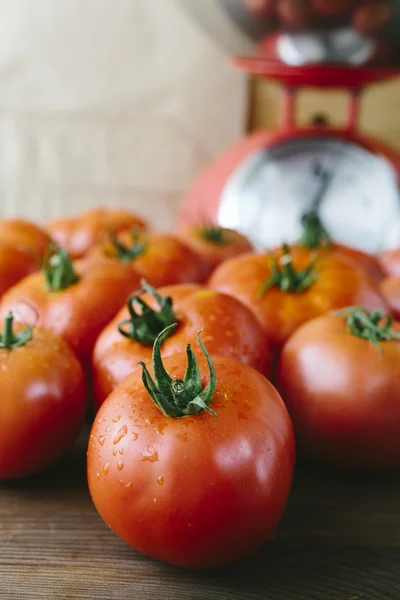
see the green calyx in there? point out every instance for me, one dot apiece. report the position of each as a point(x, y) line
point(373, 326)
point(10, 340)
point(125, 253)
point(216, 235)
point(285, 277)
point(59, 270)
point(314, 233)
point(179, 397)
point(145, 324)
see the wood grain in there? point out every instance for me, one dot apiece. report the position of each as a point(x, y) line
point(339, 540)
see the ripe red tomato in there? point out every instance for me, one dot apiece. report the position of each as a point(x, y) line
point(43, 399)
point(390, 288)
point(261, 8)
point(160, 259)
point(214, 244)
point(295, 14)
point(230, 329)
point(372, 17)
point(191, 488)
point(333, 9)
point(25, 236)
point(15, 264)
point(315, 237)
point(78, 235)
point(390, 262)
point(284, 293)
point(73, 301)
point(342, 390)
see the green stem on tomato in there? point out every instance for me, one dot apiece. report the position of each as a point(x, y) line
point(9, 339)
point(179, 397)
point(373, 326)
point(145, 323)
point(59, 270)
point(216, 235)
point(314, 233)
point(285, 277)
point(127, 253)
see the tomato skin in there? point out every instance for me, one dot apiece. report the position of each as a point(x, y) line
point(390, 288)
point(195, 491)
point(213, 254)
point(78, 235)
point(330, 9)
point(355, 258)
point(166, 260)
point(280, 313)
point(371, 17)
point(343, 395)
point(15, 264)
point(42, 406)
point(79, 313)
point(26, 236)
point(390, 262)
point(229, 329)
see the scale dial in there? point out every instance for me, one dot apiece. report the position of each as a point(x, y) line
point(358, 197)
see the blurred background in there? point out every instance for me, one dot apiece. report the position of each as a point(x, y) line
point(124, 103)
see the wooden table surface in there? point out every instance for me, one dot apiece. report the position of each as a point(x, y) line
point(339, 540)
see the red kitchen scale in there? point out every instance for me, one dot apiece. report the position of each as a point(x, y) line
point(266, 184)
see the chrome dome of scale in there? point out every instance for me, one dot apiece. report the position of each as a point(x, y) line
point(348, 35)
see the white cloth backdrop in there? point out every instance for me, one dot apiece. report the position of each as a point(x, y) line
point(113, 102)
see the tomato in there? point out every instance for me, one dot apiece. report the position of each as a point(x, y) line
point(295, 14)
point(181, 484)
point(73, 301)
point(372, 17)
point(26, 236)
point(160, 259)
point(328, 9)
point(284, 293)
point(215, 244)
point(230, 329)
point(390, 288)
point(315, 237)
point(43, 399)
point(261, 8)
point(79, 234)
point(390, 261)
point(15, 264)
point(342, 390)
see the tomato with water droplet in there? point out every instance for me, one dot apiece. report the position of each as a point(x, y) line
point(211, 489)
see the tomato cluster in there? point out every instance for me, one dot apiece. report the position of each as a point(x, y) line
point(366, 16)
point(175, 341)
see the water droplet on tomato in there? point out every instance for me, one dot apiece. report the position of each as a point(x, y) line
point(182, 436)
point(120, 465)
point(121, 482)
point(101, 440)
point(121, 450)
point(115, 452)
point(105, 419)
point(160, 428)
point(106, 468)
point(121, 434)
point(134, 436)
point(129, 486)
point(108, 429)
point(116, 419)
point(97, 475)
point(150, 454)
point(160, 480)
